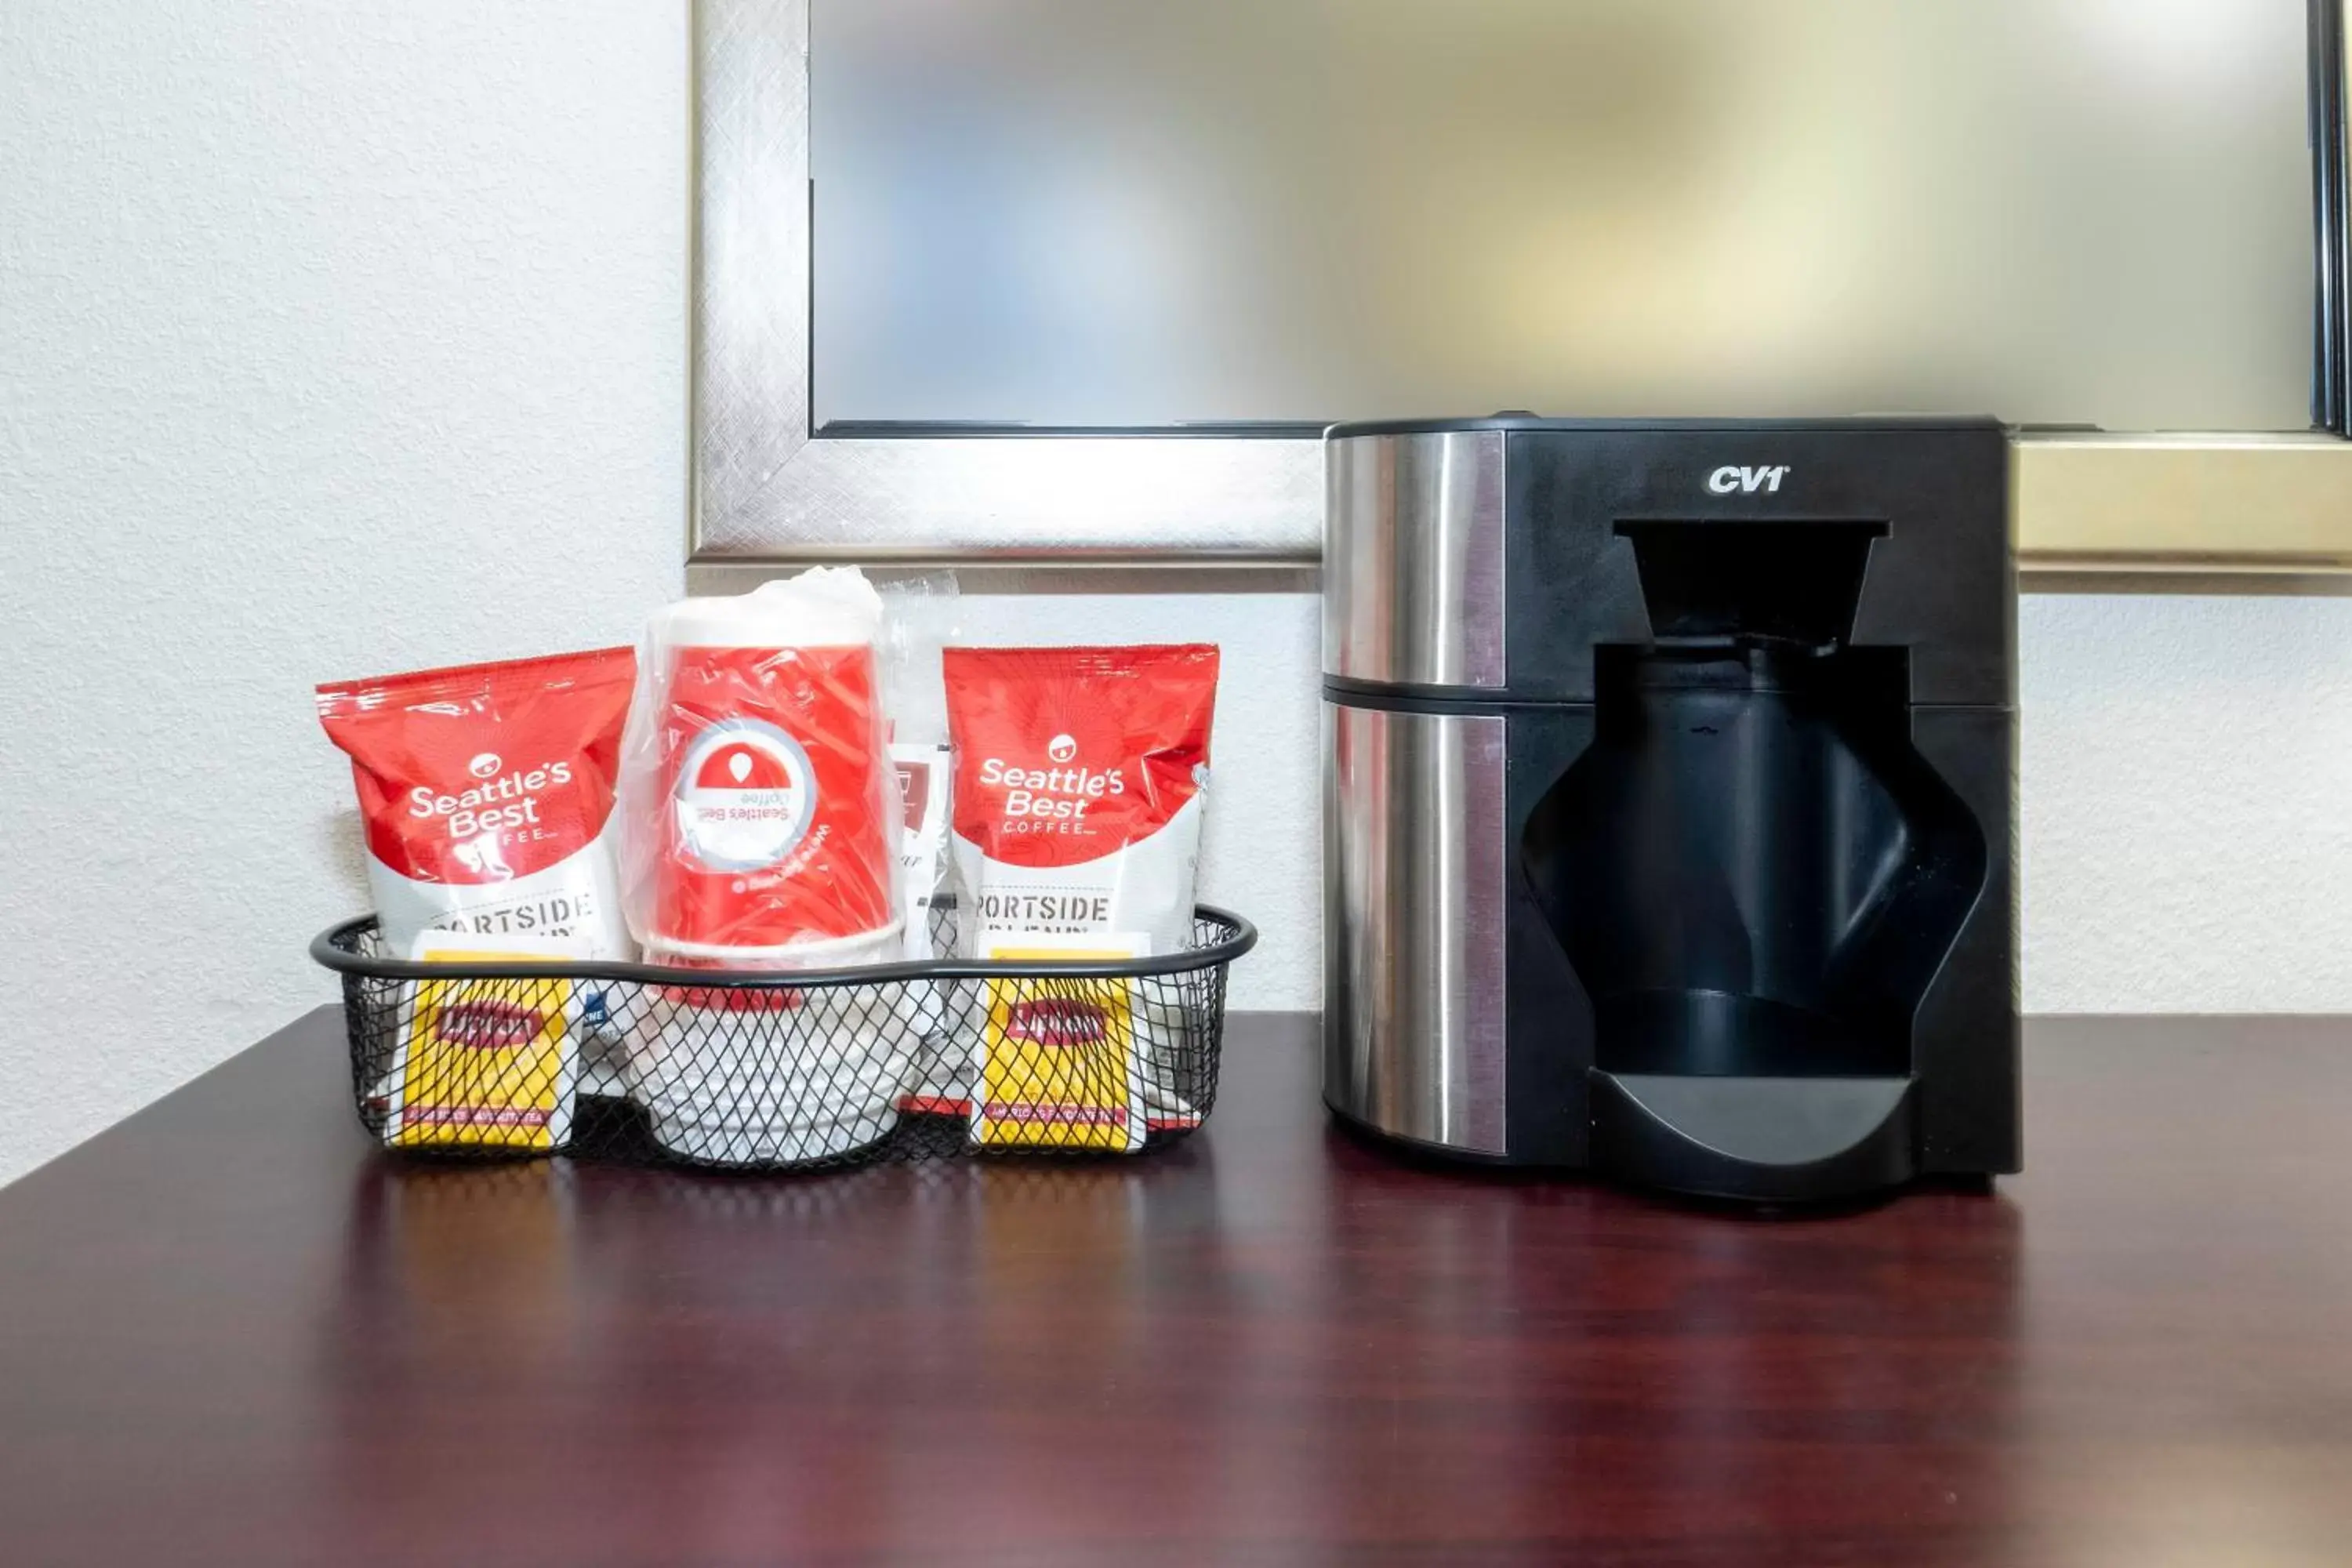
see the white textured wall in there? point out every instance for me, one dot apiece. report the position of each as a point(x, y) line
point(345, 336)
point(2187, 805)
point(336, 338)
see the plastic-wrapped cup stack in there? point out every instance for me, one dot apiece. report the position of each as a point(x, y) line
point(765, 841)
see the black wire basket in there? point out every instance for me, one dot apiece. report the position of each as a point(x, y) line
point(799, 1071)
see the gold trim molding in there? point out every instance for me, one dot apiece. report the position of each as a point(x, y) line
point(2206, 507)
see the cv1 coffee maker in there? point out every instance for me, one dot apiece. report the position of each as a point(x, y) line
point(1669, 798)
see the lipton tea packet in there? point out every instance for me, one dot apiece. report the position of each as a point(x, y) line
point(1060, 1067)
point(1081, 778)
point(485, 1064)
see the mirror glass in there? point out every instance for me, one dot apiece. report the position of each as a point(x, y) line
point(1139, 213)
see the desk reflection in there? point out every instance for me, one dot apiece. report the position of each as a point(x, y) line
point(1510, 1362)
point(908, 1354)
point(1308, 1338)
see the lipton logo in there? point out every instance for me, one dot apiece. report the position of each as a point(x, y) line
point(1736, 480)
point(486, 767)
point(1062, 747)
point(489, 1024)
point(1065, 1022)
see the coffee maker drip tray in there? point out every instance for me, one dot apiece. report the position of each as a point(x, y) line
point(1752, 869)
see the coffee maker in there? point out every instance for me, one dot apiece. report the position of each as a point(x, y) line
point(1669, 798)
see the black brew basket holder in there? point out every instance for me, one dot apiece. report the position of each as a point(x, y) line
point(806, 1070)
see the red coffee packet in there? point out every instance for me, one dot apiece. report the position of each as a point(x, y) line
point(487, 793)
point(1079, 774)
point(1081, 780)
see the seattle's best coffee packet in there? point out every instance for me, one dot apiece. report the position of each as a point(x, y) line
point(487, 791)
point(1081, 780)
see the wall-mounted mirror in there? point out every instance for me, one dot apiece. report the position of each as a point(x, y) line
point(1197, 233)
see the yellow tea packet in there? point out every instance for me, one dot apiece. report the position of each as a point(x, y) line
point(1058, 1065)
point(485, 1064)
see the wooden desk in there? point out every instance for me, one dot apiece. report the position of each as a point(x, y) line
point(231, 1331)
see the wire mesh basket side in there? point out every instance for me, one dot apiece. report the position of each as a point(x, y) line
point(990, 1058)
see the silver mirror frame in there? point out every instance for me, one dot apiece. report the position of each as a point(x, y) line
point(770, 492)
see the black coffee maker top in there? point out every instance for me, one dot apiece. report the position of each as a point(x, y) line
point(1519, 419)
point(1783, 516)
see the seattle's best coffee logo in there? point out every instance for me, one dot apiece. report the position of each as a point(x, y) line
point(1059, 793)
point(501, 802)
point(744, 795)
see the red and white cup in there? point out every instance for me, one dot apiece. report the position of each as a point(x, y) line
point(774, 838)
point(763, 835)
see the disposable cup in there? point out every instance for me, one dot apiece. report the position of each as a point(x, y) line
point(773, 820)
point(760, 1076)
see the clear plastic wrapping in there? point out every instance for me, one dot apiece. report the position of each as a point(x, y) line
point(759, 816)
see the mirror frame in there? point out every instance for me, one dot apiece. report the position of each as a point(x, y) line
point(770, 491)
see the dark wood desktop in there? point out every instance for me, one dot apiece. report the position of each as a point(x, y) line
point(232, 1332)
